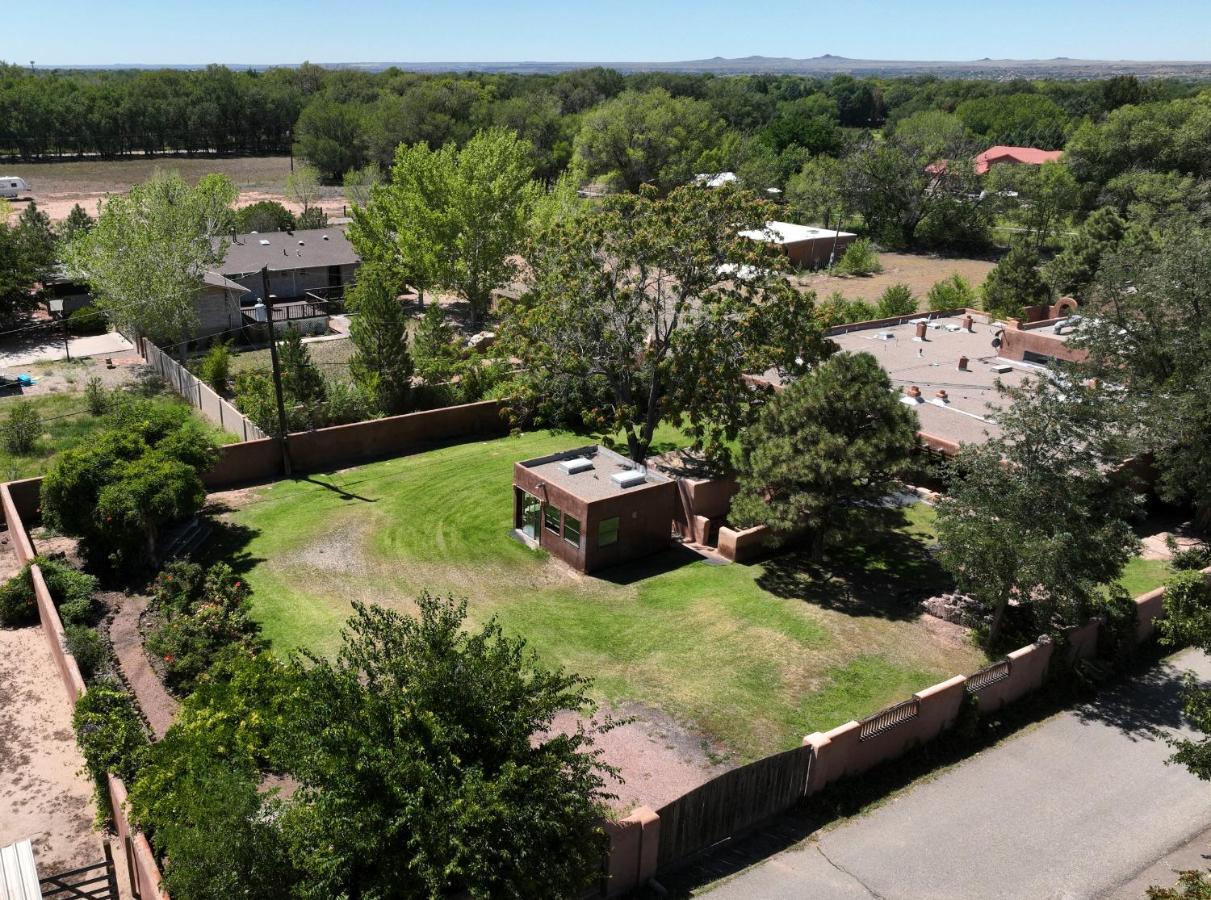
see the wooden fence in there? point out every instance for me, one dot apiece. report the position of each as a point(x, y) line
point(731, 804)
point(199, 395)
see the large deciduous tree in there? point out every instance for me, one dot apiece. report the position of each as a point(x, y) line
point(829, 442)
point(1032, 515)
point(442, 776)
point(451, 217)
point(653, 309)
point(646, 138)
point(149, 250)
point(1148, 327)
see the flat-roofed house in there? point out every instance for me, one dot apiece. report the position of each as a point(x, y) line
point(592, 507)
point(805, 246)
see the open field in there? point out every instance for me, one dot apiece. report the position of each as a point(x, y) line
point(57, 186)
point(919, 271)
point(749, 657)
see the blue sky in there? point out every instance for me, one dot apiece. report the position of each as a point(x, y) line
point(56, 32)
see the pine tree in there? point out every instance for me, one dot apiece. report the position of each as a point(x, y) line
point(433, 348)
point(381, 366)
point(1015, 283)
point(301, 380)
point(832, 438)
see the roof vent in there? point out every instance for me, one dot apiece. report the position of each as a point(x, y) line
point(263, 242)
point(576, 464)
point(325, 237)
point(630, 478)
point(885, 336)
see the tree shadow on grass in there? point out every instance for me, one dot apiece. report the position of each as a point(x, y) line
point(885, 574)
point(228, 543)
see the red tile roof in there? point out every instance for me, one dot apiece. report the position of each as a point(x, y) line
point(1029, 156)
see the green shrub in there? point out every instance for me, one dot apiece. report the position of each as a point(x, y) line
point(109, 731)
point(344, 403)
point(87, 320)
point(118, 491)
point(953, 292)
point(201, 616)
point(860, 258)
point(22, 429)
point(1191, 558)
point(835, 310)
point(71, 590)
point(897, 300)
point(96, 396)
point(87, 647)
point(216, 367)
point(18, 604)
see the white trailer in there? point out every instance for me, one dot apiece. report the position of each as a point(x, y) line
point(12, 187)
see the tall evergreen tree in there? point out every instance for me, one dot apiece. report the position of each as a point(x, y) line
point(832, 439)
point(381, 365)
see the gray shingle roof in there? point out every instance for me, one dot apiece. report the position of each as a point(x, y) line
point(286, 250)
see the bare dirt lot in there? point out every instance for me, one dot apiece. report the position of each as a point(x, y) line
point(58, 186)
point(43, 794)
point(919, 271)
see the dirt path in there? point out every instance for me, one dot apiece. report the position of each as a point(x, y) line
point(43, 794)
point(157, 704)
point(658, 759)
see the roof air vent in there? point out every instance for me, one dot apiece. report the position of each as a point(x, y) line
point(629, 478)
point(263, 242)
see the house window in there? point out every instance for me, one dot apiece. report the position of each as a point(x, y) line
point(607, 532)
point(550, 519)
point(571, 530)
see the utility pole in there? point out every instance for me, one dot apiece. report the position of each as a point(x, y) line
point(277, 375)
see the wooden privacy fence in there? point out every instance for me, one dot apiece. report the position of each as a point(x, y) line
point(731, 804)
point(199, 395)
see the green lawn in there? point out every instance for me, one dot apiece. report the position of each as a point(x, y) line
point(66, 423)
point(1143, 575)
point(754, 656)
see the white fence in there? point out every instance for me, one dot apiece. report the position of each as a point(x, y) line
point(199, 395)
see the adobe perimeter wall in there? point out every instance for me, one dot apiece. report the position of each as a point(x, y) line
point(855, 747)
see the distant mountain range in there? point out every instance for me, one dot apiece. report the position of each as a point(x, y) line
point(1059, 67)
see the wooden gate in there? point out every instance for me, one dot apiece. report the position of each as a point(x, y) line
point(730, 805)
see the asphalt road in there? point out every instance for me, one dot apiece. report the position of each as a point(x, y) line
point(1081, 805)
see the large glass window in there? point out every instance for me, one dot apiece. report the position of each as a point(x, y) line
point(571, 530)
point(607, 532)
point(529, 515)
point(550, 518)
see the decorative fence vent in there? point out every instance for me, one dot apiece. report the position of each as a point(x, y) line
point(998, 671)
point(888, 719)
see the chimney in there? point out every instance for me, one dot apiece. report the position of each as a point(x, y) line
point(963, 363)
point(914, 393)
point(920, 332)
point(968, 322)
point(941, 397)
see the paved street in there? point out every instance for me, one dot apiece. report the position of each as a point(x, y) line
point(1080, 806)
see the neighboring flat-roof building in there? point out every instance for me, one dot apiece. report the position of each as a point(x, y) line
point(947, 366)
point(308, 260)
point(1014, 156)
point(806, 246)
point(592, 507)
